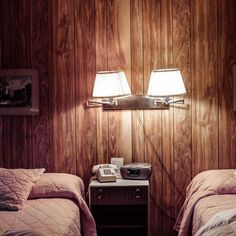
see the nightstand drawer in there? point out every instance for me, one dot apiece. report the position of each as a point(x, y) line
point(121, 207)
point(119, 195)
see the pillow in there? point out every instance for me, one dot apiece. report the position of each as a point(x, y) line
point(57, 185)
point(15, 186)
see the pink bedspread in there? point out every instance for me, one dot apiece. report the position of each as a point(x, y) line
point(208, 207)
point(56, 207)
point(208, 183)
point(51, 216)
point(221, 224)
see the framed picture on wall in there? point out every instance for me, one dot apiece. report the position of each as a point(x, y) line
point(19, 92)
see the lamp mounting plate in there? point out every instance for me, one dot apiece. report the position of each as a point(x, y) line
point(135, 103)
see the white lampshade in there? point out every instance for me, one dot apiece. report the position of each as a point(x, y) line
point(110, 84)
point(166, 83)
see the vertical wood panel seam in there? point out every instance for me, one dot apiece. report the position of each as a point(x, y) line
point(173, 113)
point(108, 113)
point(48, 92)
point(32, 118)
point(191, 76)
point(107, 59)
point(144, 91)
point(191, 83)
point(95, 62)
point(161, 116)
point(172, 169)
point(17, 117)
point(50, 72)
point(218, 83)
point(1, 32)
point(48, 80)
point(1, 119)
point(95, 68)
point(75, 89)
point(131, 79)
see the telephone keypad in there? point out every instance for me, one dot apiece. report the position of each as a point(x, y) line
point(107, 171)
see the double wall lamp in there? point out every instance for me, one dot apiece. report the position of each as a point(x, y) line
point(112, 92)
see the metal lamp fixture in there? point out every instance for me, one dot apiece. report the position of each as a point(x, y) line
point(108, 86)
point(113, 90)
point(166, 83)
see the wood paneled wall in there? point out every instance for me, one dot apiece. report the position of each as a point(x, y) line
point(69, 40)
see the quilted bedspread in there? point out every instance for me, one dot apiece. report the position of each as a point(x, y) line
point(51, 216)
point(223, 223)
point(55, 207)
point(208, 207)
point(205, 184)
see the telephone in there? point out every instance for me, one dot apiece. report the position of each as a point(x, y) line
point(105, 172)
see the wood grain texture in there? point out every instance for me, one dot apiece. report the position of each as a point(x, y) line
point(7, 60)
point(1, 124)
point(69, 40)
point(26, 156)
point(62, 85)
point(1, 143)
point(25, 62)
point(101, 28)
point(11, 143)
point(85, 75)
point(167, 120)
point(10, 38)
point(24, 29)
point(226, 58)
point(205, 92)
point(40, 60)
point(12, 41)
point(152, 119)
point(120, 140)
point(182, 113)
point(136, 24)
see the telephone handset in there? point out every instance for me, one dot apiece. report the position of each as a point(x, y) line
point(105, 172)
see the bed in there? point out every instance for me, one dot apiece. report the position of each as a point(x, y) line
point(210, 205)
point(35, 203)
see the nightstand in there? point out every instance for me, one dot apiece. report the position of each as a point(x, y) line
point(121, 207)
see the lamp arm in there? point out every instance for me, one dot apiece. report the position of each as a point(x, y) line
point(93, 103)
point(168, 101)
point(96, 102)
point(164, 101)
point(180, 101)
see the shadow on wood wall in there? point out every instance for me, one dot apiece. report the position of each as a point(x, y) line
point(68, 41)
